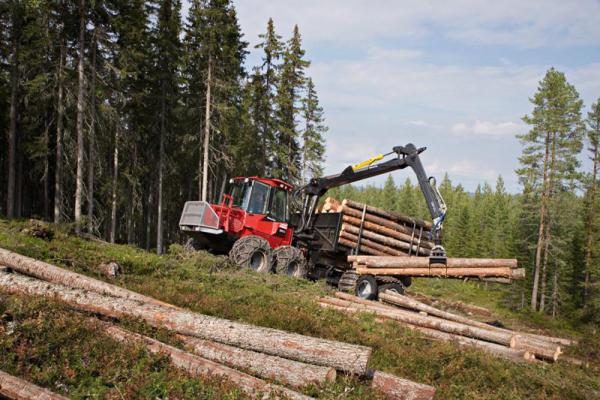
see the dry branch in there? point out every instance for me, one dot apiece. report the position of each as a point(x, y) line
point(342, 356)
point(290, 372)
point(201, 367)
point(15, 388)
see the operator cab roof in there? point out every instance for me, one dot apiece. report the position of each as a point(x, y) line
point(274, 182)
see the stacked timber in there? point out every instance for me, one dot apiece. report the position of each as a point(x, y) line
point(444, 326)
point(380, 232)
point(454, 267)
point(249, 356)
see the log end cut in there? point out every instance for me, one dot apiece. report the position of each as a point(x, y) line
point(395, 388)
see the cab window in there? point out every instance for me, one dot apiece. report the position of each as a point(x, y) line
point(279, 205)
point(259, 198)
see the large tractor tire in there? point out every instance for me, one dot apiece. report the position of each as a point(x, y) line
point(252, 252)
point(367, 287)
point(290, 261)
point(347, 282)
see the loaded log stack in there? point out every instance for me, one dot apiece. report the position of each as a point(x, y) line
point(380, 232)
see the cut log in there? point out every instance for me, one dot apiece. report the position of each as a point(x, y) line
point(331, 205)
point(394, 388)
point(374, 245)
point(393, 215)
point(457, 305)
point(540, 349)
point(14, 388)
point(201, 367)
point(441, 272)
point(504, 281)
point(387, 231)
point(279, 369)
point(432, 322)
point(386, 240)
point(52, 273)
point(342, 356)
point(363, 248)
point(423, 262)
point(492, 348)
point(346, 210)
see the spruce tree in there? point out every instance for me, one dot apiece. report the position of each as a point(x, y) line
point(291, 82)
point(313, 143)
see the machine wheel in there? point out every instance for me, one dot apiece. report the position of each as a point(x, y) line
point(347, 282)
point(252, 252)
point(289, 261)
point(366, 287)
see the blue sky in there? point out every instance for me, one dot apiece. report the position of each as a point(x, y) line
point(454, 76)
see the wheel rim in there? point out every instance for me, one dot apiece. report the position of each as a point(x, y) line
point(364, 289)
point(291, 268)
point(257, 260)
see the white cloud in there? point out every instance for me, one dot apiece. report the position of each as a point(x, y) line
point(513, 22)
point(487, 128)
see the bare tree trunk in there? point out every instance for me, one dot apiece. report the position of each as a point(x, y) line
point(80, 110)
point(541, 230)
point(544, 270)
point(113, 210)
point(58, 173)
point(148, 220)
point(555, 291)
point(46, 178)
point(590, 224)
point(92, 138)
point(12, 130)
point(161, 161)
point(206, 133)
point(395, 388)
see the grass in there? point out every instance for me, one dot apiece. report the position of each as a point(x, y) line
point(47, 343)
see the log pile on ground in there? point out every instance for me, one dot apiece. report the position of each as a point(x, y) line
point(218, 347)
point(444, 326)
point(454, 267)
point(383, 232)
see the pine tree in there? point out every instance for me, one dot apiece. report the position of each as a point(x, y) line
point(313, 143)
point(549, 159)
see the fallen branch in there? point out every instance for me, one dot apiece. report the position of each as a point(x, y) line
point(342, 356)
point(15, 388)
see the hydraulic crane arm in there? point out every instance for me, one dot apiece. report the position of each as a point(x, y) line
point(406, 156)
